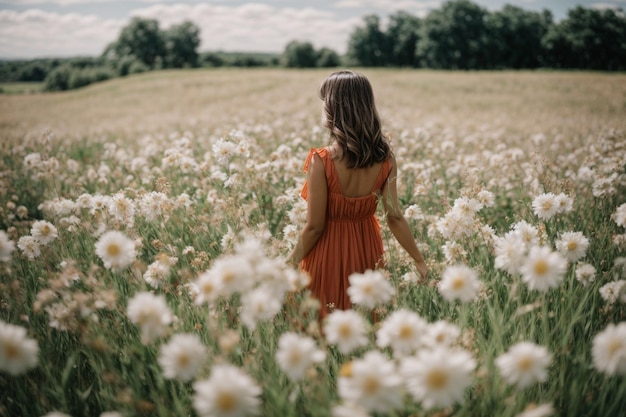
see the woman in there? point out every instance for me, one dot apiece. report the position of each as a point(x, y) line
point(344, 183)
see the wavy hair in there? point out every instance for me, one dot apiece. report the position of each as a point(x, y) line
point(352, 120)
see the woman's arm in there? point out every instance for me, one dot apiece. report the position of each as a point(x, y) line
point(398, 224)
point(316, 210)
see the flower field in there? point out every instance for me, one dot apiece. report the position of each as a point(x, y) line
point(145, 223)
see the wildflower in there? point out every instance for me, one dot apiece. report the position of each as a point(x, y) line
point(459, 282)
point(619, 217)
point(182, 357)
point(441, 334)
point(614, 291)
point(545, 206)
point(572, 245)
point(528, 233)
point(585, 273)
point(259, 305)
point(438, 378)
point(7, 246)
point(228, 392)
point(543, 269)
point(609, 349)
point(453, 251)
point(18, 353)
point(296, 354)
point(234, 273)
point(373, 382)
point(29, 246)
point(159, 270)
point(122, 209)
point(346, 329)
point(111, 414)
point(524, 364)
point(564, 203)
point(510, 252)
point(486, 198)
point(116, 250)
point(534, 410)
point(155, 205)
point(413, 212)
point(403, 331)
point(44, 232)
point(207, 288)
point(369, 289)
point(151, 313)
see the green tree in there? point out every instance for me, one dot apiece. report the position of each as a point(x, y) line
point(368, 45)
point(181, 45)
point(588, 39)
point(402, 36)
point(142, 39)
point(516, 37)
point(299, 55)
point(327, 58)
point(456, 37)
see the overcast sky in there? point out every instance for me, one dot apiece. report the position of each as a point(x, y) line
point(62, 28)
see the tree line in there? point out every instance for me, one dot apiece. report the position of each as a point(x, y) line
point(460, 35)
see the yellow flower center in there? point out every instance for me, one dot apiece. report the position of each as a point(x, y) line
point(346, 370)
point(572, 245)
point(183, 360)
point(11, 351)
point(294, 358)
point(229, 276)
point(207, 288)
point(368, 289)
point(371, 385)
point(114, 249)
point(541, 267)
point(525, 364)
point(437, 379)
point(45, 230)
point(226, 402)
point(345, 331)
point(614, 346)
point(458, 283)
point(547, 205)
point(406, 332)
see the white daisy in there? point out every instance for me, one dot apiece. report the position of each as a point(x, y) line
point(403, 331)
point(609, 349)
point(438, 378)
point(613, 291)
point(369, 289)
point(7, 246)
point(116, 250)
point(619, 217)
point(372, 382)
point(297, 354)
point(543, 269)
point(29, 246)
point(349, 410)
point(207, 288)
point(528, 233)
point(441, 333)
point(524, 364)
point(260, 304)
point(510, 252)
point(585, 273)
point(151, 313)
point(182, 357)
point(545, 206)
point(459, 282)
point(564, 203)
point(347, 329)
point(18, 353)
point(572, 245)
point(234, 273)
point(228, 392)
point(44, 232)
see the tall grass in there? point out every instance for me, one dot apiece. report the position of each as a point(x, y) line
point(92, 358)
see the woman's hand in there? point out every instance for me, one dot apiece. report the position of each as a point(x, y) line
point(423, 271)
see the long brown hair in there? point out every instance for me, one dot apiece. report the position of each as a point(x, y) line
point(351, 117)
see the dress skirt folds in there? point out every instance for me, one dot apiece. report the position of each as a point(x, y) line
point(351, 241)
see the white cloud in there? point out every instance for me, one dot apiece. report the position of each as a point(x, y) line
point(57, 2)
point(36, 33)
point(412, 6)
point(248, 27)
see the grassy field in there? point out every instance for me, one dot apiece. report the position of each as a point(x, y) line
point(145, 221)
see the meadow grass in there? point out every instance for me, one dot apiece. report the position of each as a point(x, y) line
point(225, 147)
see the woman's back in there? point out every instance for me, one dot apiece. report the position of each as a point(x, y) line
point(356, 182)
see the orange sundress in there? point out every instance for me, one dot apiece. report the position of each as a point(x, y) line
point(351, 241)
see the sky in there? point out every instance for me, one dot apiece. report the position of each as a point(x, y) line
point(67, 28)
